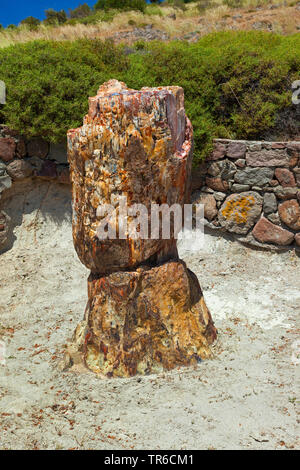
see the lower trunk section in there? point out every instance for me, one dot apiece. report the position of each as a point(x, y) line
point(143, 321)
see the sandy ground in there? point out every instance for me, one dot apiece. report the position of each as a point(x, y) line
point(246, 397)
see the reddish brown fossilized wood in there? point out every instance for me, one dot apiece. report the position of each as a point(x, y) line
point(145, 309)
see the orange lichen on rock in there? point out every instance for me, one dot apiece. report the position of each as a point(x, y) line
point(238, 209)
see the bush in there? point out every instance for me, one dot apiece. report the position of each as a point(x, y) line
point(236, 83)
point(99, 15)
point(48, 83)
point(153, 9)
point(139, 5)
point(81, 11)
point(177, 4)
point(233, 3)
point(203, 5)
point(31, 22)
point(55, 17)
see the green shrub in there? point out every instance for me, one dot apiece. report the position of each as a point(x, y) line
point(48, 83)
point(203, 5)
point(236, 83)
point(233, 3)
point(31, 22)
point(81, 11)
point(153, 9)
point(178, 4)
point(95, 17)
point(121, 5)
point(55, 17)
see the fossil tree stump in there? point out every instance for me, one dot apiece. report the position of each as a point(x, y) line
point(145, 309)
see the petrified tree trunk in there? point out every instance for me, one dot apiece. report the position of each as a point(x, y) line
point(145, 309)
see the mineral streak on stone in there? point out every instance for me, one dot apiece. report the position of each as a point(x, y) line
point(145, 309)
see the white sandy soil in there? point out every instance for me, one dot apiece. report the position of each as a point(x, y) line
point(247, 397)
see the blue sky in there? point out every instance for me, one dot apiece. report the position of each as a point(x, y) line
point(13, 11)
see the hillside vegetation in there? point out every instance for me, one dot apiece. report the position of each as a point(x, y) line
point(236, 84)
point(174, 17)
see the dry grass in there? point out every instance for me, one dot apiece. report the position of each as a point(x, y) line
point(122, 21)
point(216, 14)
point(285, 19)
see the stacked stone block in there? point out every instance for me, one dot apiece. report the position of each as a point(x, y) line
point(22, 159)
point(252, 190)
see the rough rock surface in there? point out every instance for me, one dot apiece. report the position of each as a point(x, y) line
point(146, 131)
point(286, 193)
point(145, 310)
point(297, 176)
point(218, 151)
point(274, 218)
point(266, 232)
point(268, 158)
point(5, 182)
point(131, 328)
point(209, 203)
point(19, 170)
point(270, 203)
point(217, 184)
point(36, 159)
point(37, 148)
point(236, 150)
point(240, 211)
point(289, 212)
point(257, 176)
point(269, 169)
point(148, 33)
point(285, 177)
point(7, 149)
point(225, 169)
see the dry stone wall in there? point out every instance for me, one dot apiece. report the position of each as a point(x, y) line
point(252, 191)
point(249, 189)
point(23, 160)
